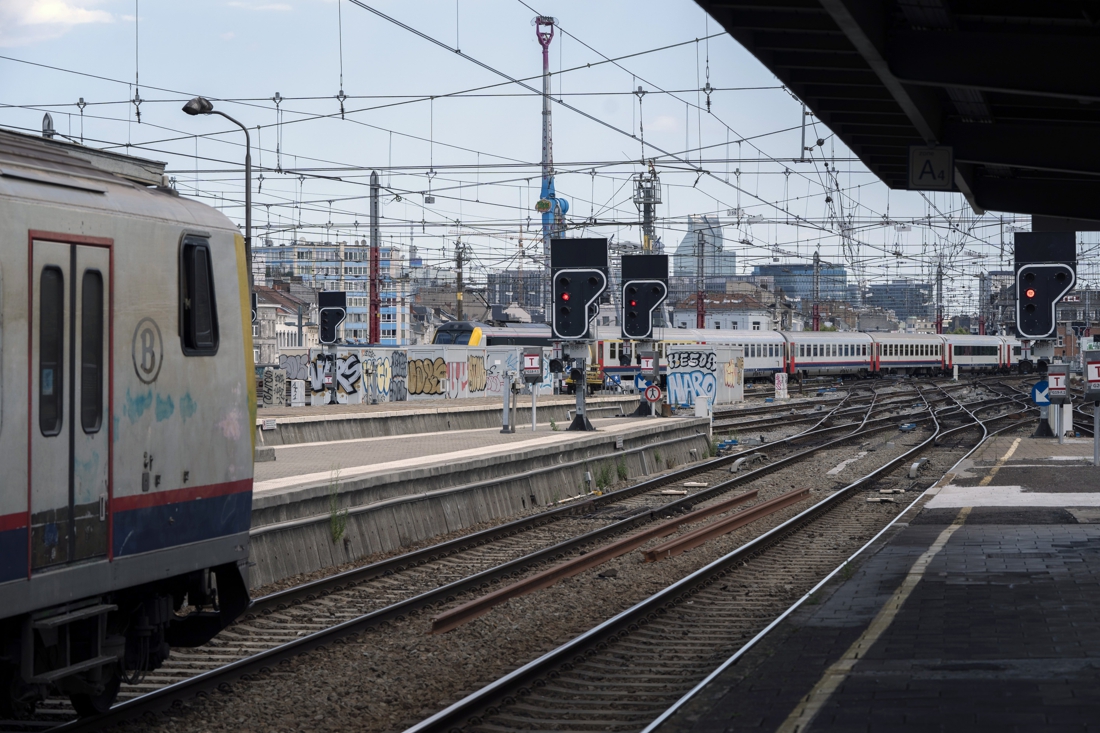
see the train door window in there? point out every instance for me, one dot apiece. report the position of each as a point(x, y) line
point(612, 350)
point(91, 352)
point(51, 334)
point(199, 311)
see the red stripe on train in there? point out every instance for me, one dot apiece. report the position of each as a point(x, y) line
point(178, 496)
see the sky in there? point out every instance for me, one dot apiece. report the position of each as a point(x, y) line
point(428, 118)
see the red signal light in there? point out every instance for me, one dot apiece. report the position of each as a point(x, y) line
point(1030, 292)
point(565, 296)
point(633, 304)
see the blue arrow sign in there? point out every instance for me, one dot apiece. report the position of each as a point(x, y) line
point(1040, 393)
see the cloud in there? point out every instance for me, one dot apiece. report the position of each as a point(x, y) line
point(228, 36)
point(277, 7)
point(26, 22)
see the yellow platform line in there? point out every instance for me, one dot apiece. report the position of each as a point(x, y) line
point(1000, 463)
point(804, 713)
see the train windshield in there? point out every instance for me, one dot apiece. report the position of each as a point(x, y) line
point(453, 336)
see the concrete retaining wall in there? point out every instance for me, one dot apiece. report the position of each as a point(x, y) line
point(293, 533)
point(320, 428)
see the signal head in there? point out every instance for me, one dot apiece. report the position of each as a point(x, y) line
point(1030, 292)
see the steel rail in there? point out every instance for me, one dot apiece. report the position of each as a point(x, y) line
point(467, 710)
point(751, 643)
point(425, 601)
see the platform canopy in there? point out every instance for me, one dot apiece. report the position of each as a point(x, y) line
point(1013, 86)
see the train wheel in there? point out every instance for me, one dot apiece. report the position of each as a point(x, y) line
point(87, 704)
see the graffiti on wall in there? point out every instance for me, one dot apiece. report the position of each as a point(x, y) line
point(706, 360)
point(296, 366)
point(475, 366)
point(685, 386)
point(399, 374)
point(273, 389)
point(349, 373)
point(693, 374)
point(426, 376)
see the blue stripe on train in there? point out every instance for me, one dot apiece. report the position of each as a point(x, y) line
point(13, 554)
point(168, 525)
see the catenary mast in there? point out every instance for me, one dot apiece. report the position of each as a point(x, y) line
point(549, 205)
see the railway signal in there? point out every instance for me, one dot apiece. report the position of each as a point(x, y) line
point(645, 287)
point(1038, 290)
point(1046, 270)
point(333, 310)
point(579, 271)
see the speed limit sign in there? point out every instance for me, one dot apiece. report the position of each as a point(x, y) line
point(653, 393)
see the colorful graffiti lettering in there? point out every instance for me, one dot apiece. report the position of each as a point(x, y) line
point(426, 376)
point(476, 367)
point(457, 379)
point(684, 387)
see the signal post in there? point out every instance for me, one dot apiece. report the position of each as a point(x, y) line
point(578, 271)
point(1046, 270)
point(645, 287)
point(333, 309)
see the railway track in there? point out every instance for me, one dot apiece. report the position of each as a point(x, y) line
point(624, 673)
point(288, 623)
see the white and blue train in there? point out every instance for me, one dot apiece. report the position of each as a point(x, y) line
point(126, 410)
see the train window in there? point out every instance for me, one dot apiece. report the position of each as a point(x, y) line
point(612, 350)
point(814, 350)
point(462, 338)
point(442, 337)
point(51, 335)
point(199, 311)
point(91, 351)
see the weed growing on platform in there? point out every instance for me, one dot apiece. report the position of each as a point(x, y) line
point(338, 518)
point(553, 424)
point(712, 448)
point(620, 469)
point(847, 571)
point(657, 457)
point(603, 477)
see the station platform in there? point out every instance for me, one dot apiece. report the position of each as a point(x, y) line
point(977, 611)
point(290, 425)
point(391, 491)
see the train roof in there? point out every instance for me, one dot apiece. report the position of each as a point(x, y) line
point(68, 174)
point(893, 337)
point(811, 337)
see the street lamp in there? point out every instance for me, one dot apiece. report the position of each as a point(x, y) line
point(203, 106)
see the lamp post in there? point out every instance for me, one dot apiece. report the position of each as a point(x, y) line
point(203, 106)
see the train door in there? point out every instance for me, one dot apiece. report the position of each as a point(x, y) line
point(69, 431)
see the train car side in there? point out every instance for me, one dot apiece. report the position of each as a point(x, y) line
point(125, 430)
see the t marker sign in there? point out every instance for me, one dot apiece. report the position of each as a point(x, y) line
point(931, 168)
